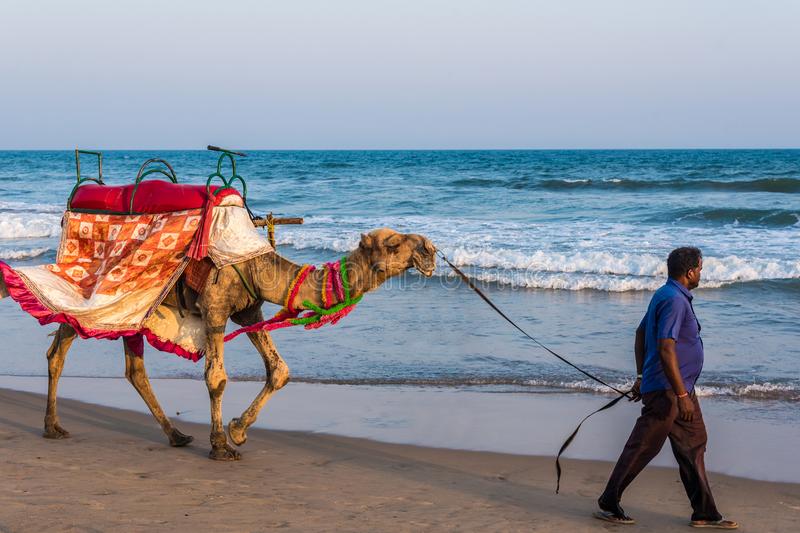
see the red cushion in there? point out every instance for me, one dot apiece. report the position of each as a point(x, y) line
point(153, 196)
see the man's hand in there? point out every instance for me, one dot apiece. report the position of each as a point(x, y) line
point(635, 391)
point(686, 408)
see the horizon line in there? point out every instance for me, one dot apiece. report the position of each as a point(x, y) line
point(89, 147)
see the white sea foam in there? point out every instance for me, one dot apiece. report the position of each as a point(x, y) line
point(575, 256)
point(584, 262)
point(753, 390)
point(611, 271)
point(568, 281)
point(298, 241)
point(6, 255)
point(34, 208)
point(34, 226)
point(766, 390)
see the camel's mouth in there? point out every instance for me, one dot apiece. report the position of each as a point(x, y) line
point(425, 265)
point(426, 271)
point(424, 258)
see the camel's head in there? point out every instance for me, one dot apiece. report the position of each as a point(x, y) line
point(390, 253)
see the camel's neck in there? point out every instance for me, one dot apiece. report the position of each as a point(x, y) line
point(360, 275)
point(273, 276)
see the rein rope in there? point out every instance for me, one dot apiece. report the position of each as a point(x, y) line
point(336, 298)
point(612, 403)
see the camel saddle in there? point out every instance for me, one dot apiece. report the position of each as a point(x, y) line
point(150, 197)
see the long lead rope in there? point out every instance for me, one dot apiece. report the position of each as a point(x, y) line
point(612, 403)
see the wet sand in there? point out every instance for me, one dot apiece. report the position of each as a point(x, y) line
point(482, 419)
point(118, 473)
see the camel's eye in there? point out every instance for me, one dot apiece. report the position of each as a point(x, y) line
point(392, 249)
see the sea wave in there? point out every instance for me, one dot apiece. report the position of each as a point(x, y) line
point(579, 282)
point(572, 282)
point(775, 185)
point(10, 255)
point(736, 216)
point(300, 240)
point(757, 391)
point(14, 225)
point(506, 263)
point(28, 207)
point(760, 391)
point(607, 271)
point(335, 164)
point(582, 262)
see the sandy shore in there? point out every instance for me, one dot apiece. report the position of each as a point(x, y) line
point(117, 472)
point(463, 419)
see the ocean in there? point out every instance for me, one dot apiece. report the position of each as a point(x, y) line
point(569, 243)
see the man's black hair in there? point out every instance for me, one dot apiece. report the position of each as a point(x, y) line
point(681, 260)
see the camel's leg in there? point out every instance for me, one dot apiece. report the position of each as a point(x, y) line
point(55, 364)
point(277, 377)
point(216, 379)
point(137, 376)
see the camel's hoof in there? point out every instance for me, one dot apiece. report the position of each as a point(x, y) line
point(178, 439)
point(226, 453)
point(237, 432)
point(55, 432)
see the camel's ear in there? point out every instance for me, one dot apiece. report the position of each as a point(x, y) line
point(366, 241)
point(394, 240)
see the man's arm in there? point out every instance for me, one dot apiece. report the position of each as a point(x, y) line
point(669, 362)
point(638, 352)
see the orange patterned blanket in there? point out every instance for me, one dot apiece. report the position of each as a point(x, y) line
point(113, 271)
point(114, 255)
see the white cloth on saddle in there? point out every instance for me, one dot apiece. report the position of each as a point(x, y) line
point(233, 237)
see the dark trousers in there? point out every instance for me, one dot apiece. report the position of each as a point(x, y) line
point(659, 421)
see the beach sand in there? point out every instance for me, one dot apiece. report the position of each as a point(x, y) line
point(118, 473)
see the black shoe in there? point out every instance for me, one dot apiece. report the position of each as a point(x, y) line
point(612, 513)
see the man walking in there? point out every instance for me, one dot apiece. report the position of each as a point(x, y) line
point(669, 358)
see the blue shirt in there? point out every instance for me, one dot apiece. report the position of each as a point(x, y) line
point(670, 316)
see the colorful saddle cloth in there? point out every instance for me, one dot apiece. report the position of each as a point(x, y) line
point(113, 270)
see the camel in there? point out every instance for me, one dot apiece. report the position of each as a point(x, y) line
point(381, 255)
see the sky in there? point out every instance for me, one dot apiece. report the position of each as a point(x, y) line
point(410, 74)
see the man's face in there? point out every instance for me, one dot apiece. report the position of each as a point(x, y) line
point(693, 275)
